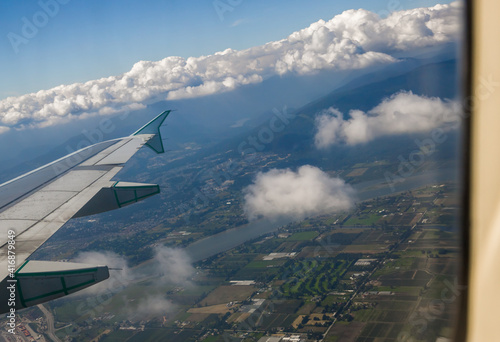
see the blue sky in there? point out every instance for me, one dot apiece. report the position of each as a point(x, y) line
point(86, 40)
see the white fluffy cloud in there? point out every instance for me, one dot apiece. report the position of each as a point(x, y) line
point(308, 191)
point(352, 40)
point(401, 113)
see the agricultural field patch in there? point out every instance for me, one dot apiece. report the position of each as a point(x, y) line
point(211, 309)
point(357, 172)
point(228, 293)
point(303, 236)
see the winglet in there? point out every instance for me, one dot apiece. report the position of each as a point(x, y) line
point(153, 127)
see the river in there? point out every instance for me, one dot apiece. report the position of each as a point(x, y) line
point(231, 238)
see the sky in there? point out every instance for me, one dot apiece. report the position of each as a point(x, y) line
point(47, 43)
point(66, 61)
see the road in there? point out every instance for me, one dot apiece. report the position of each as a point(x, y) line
point(379, 264)
point(50, 323)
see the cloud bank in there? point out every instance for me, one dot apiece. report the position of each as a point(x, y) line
point(352, 40)
point(401, 113)
point(309, 191)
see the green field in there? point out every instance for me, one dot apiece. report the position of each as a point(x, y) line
point(163, 334)
point(303, 236)
point(118, 336)
point(265, 263)
point(364, 220)
point(410, 290)
point(313, 278)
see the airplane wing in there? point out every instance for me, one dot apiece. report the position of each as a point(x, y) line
point(35, 205)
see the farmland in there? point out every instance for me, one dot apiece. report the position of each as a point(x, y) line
point(364, 275)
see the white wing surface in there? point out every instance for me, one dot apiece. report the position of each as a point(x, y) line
point(35, 205)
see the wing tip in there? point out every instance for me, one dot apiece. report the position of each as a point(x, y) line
point(153, 127)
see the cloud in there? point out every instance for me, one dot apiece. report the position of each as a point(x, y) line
point(238, 22)
point(150, 306)
point(173, 265)
point(169, 266)
point(309, 191)
point(400, 31)
point(401, 113)
point(352, 40)
point(120, 277)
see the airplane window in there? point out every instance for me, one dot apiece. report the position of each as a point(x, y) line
point(242, 171)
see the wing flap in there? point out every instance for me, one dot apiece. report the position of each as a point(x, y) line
point(117, 196)
point(39, 281)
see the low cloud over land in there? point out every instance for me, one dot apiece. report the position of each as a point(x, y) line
point(352, 40)
point(401, 113)
point(286, 193)
point(169, 267)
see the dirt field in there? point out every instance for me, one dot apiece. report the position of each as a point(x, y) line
point(311, 321)
point(243, 317)
point(227, 293)
point(416, 219)
point(357, 172)
point(212, 309)
point(297, 321)
point(367, 249)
